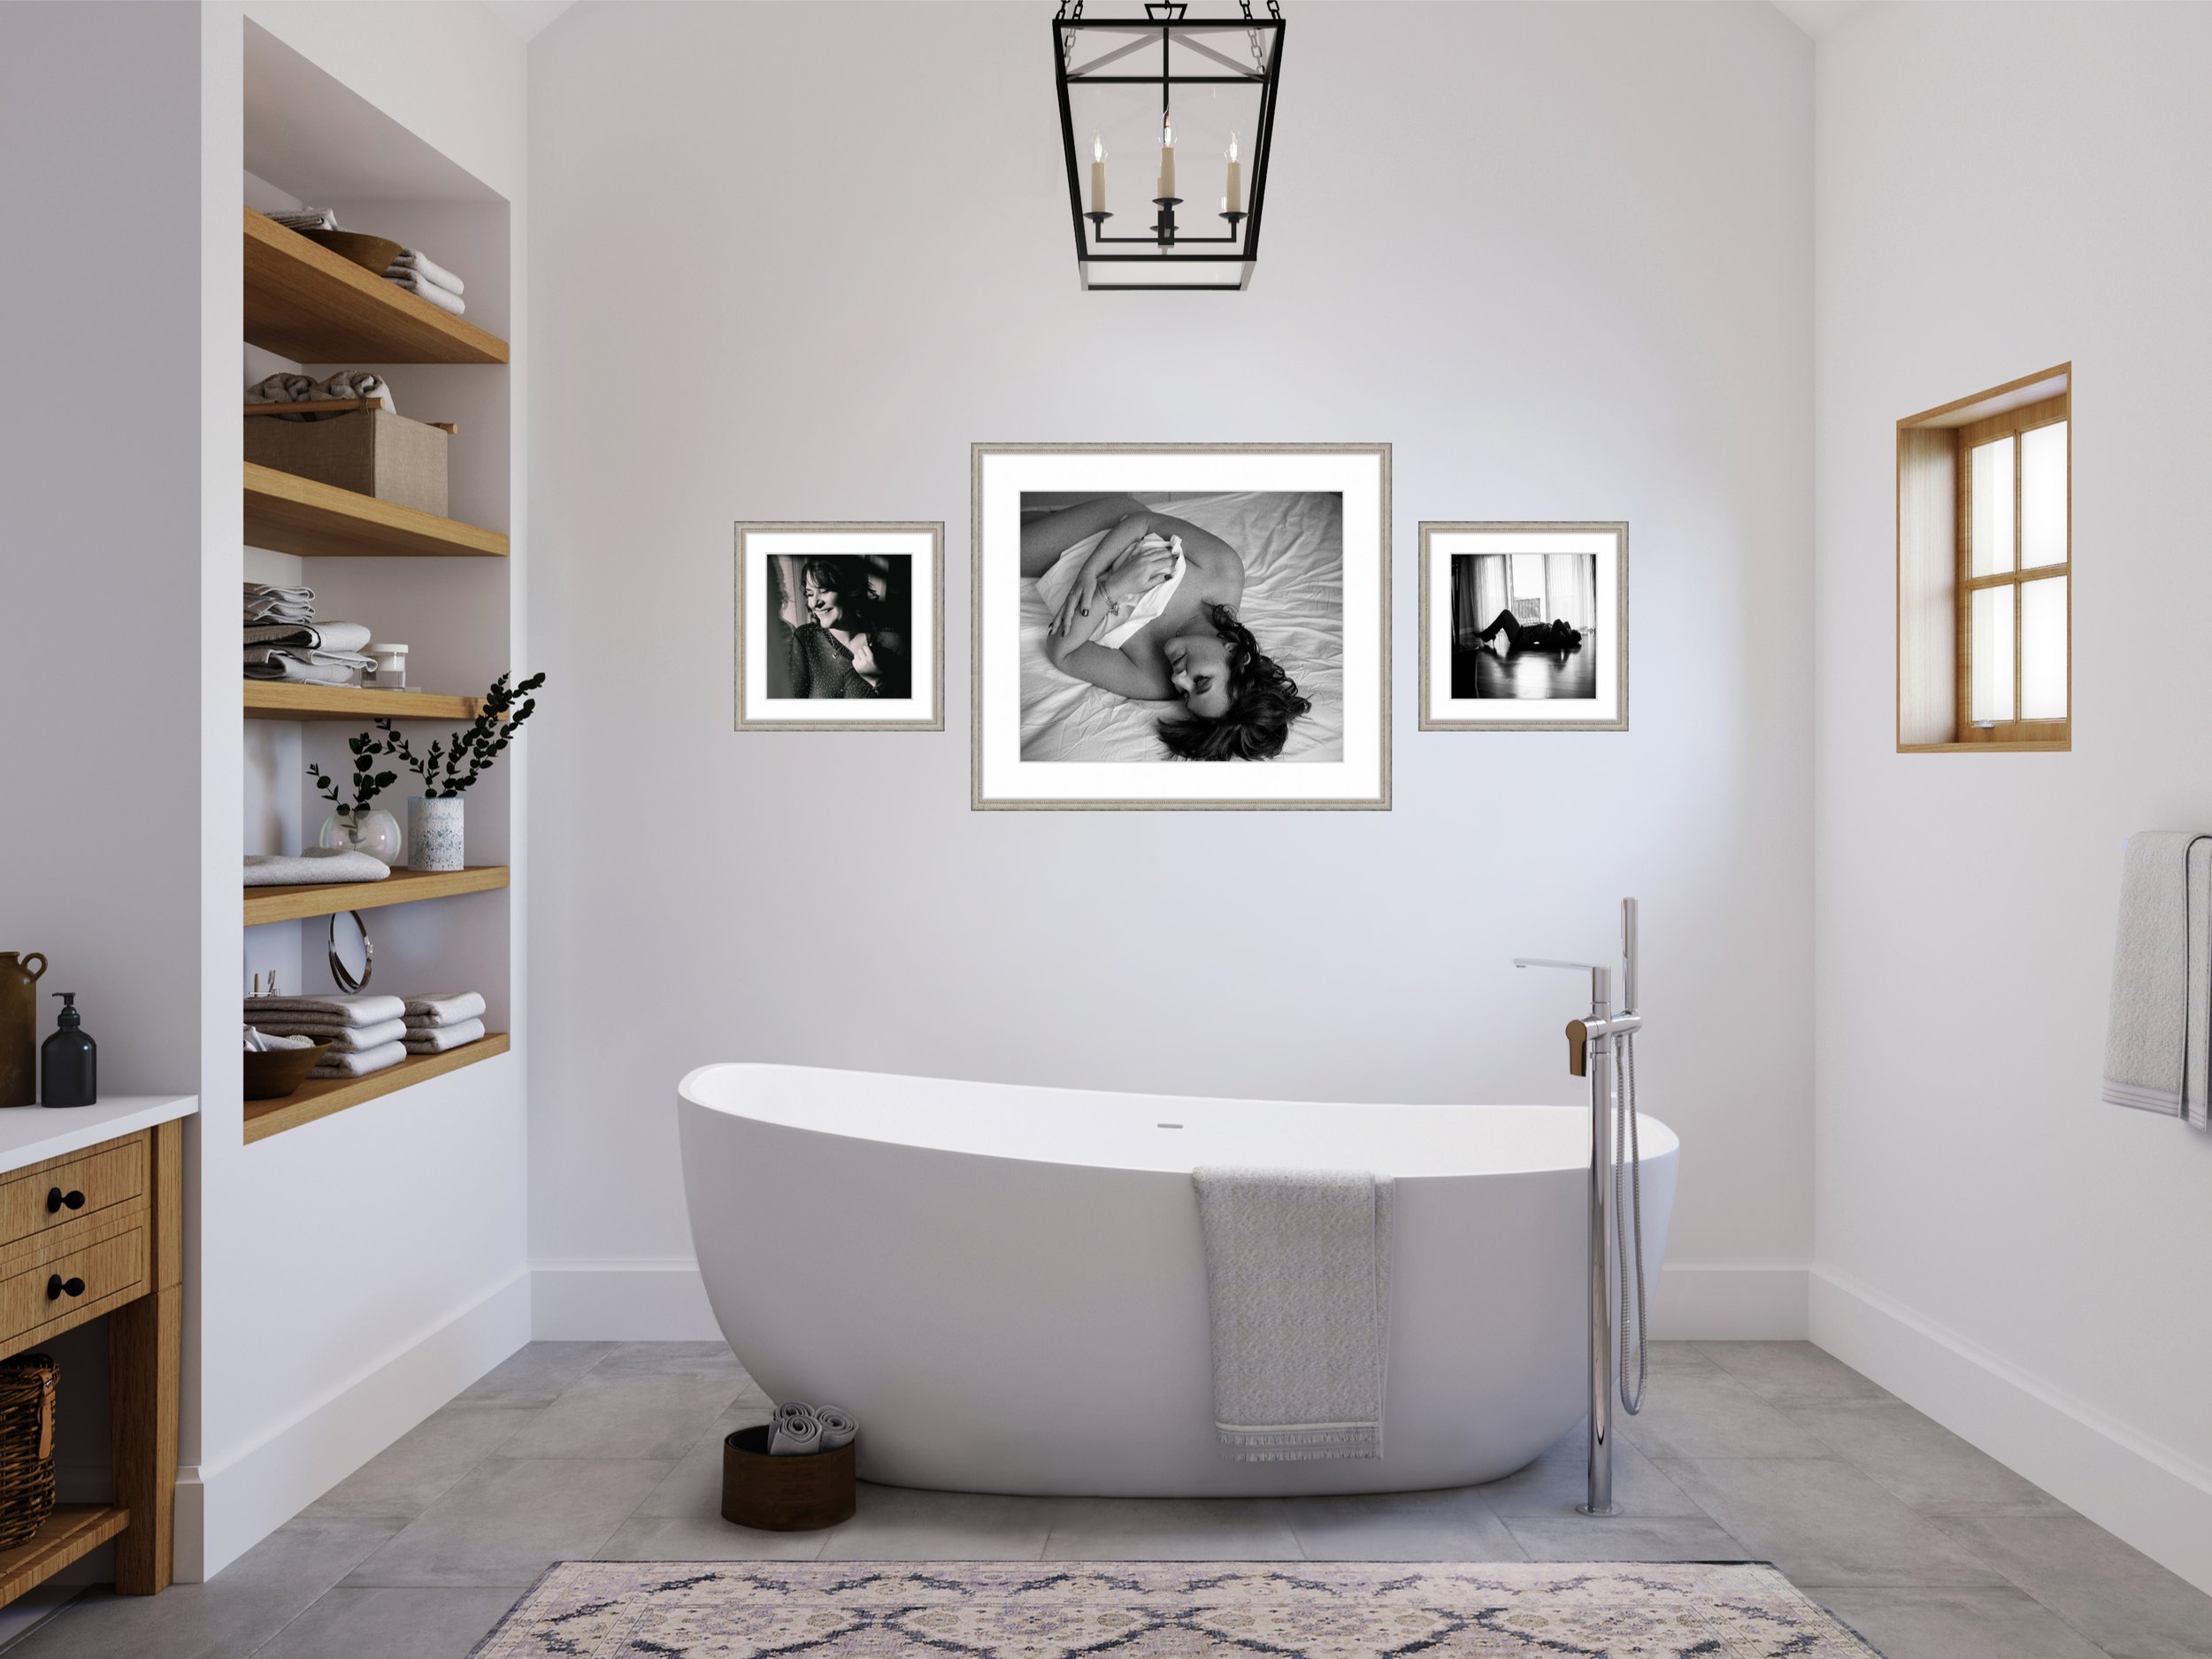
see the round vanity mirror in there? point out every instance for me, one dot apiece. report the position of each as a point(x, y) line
point(352, 958)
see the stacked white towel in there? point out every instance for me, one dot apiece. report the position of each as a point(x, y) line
point(283, 640)
point(424, 277)
point(364, 1031)
point(440, 1020)
point(313, 868)
point(307, 218)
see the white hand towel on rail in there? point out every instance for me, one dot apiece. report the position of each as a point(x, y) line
point(360, 1010)
point(336, 1064)
point(1298, 1296)
point(423, 288)
point(420, 263)
point(438, 1039)
point(313, 867)
point(2158, 1049)
point(443, 1008)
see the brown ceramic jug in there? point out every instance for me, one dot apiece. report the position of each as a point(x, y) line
point(18, 1027)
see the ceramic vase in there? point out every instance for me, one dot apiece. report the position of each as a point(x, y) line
point(374, 832)
point(434, 832)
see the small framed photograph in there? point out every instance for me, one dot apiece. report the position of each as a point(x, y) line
point(840, 626)
point(1193, 626)
point(1525, 627)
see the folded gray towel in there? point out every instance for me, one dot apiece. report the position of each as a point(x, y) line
point(317, 865)
point(338, 1063)
point(2158, 1046)
point(438, 1039)
point(423, 288)
point(314, 668)
point(306, 219)
point(346, 385)
point(1298, 1291)
point(281, 388)
point(443, 1008)
point(413, 260)
point(353, 1039)
point(361, 1009)
point(356, 386)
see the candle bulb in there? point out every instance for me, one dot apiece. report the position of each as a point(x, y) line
point(1098, 174)
point(1234, 202)
point(1167, 157)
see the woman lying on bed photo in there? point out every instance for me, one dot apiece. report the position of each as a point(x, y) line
point(1149, 613)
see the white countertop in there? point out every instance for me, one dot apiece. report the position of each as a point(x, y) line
point(31, 1134)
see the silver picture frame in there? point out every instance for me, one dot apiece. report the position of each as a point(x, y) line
point(1440, 712)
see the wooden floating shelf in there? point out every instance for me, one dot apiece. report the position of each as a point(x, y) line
point(291, 514)
point(283, 700)
point(72, 1530)
point(264, 905)
point(325, 1095)
point(307, 303)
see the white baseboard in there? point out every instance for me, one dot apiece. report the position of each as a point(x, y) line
point(641, 1299)
point(2146, 1494)
point(1729, 1302)
point(650, 1298)
point(223, 1509)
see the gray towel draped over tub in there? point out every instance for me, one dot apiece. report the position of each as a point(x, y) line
point(1298, 1292)
point(2158, 1049)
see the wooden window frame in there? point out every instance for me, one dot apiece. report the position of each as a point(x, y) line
point(1935, 589)
point(2014, 423)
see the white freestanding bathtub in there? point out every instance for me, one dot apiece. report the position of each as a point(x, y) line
point(1007, 1286)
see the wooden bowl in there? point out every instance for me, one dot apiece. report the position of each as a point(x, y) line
point(273, 1075)
point(784, 1495)
point(371, 253)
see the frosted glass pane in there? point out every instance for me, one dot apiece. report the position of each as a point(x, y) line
point(2043, 649)
point(2042, 499)
point(1992, 654)
point(1992, 508)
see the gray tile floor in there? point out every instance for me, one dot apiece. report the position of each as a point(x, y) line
point(1759, 1450)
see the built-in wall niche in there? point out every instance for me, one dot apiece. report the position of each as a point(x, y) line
point(1985, 571)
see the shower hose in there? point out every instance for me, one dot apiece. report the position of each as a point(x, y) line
point(1628, 1217)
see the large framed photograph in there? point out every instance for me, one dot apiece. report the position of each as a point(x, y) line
point(1525, 627)
point(840, 626)
point(1194, 625)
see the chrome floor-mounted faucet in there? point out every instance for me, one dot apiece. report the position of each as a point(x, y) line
point(1594, 1044)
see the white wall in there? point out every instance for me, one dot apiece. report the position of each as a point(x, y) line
point(791, 260)
point(2000, 189)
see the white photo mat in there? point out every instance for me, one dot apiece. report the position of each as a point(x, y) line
point(758, 544)
point(1606, 710)
point(1004, 473)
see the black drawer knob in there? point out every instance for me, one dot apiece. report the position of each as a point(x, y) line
point(56, 1287)
point(55, 1198)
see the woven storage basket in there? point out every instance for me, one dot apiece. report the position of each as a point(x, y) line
point(26, 1445)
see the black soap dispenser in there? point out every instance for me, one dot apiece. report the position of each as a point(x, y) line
point(68, 1063)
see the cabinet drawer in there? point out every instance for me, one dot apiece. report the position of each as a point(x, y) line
point(82, 1185)
point(112, 1270)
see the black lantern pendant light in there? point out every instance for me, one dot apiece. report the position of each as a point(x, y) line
point(1167, 120)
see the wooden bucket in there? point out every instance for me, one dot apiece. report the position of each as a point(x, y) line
point(799, 1493)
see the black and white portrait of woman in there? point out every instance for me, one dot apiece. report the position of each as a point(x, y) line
point(831, 623)
point(1173, 633)
point(1525, 626)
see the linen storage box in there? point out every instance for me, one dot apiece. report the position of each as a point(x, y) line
point(26, 1445)
point(370, 451)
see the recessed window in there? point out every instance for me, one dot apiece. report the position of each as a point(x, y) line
point(1985, 562)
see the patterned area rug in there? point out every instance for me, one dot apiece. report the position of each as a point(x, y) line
point(595, 1610)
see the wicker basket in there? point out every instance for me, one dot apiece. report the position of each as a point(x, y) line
point(26, 1445)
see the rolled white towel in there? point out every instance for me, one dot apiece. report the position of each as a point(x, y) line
point(336, 1064)
point(351, 1038)
point(423, 288)
point(269, 1042)
point(360, 1010)
point(838, 1425)
point(438, 1039)
point(356, 386)
point(420, 263)
point(312, 868)
point(794, 1408)
point(793, 1436)
point(442, 1008)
